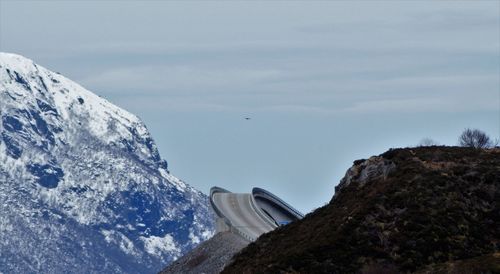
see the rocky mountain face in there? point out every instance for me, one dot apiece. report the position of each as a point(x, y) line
point(210, 257)
point(83, 188)
point(422, 210)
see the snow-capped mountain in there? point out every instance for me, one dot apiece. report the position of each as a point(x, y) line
point(83, 188)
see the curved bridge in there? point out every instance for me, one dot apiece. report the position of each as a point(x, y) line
point(250, 214)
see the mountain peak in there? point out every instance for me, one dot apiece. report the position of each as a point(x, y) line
point(76, 165)
point(23, 75)
point(15, 61)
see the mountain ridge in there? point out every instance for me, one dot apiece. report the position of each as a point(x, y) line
point(79, 173)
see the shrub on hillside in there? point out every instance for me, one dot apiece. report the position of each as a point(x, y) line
point(427, 142)
point(475, 138)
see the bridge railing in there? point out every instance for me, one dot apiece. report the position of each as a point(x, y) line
point(263, 215)
point(232, 228)
point(242, 234)
point(256, 191)
point(214, 190)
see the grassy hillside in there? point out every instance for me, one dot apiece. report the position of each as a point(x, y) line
point(406, 210)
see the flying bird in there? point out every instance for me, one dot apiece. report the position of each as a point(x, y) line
point(247, 118)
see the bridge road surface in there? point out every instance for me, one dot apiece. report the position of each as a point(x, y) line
point(238, 209)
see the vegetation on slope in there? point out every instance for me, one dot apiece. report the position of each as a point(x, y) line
point(406, 210)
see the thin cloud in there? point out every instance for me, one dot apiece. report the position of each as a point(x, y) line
point(168, 79)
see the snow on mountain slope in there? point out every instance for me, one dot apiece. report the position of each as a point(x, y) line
point(82, 186)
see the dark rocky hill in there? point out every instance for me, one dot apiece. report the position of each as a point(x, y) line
point(425, 210)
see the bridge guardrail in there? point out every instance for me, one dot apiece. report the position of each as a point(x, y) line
point(232, 228)
point(242, 234)
point(214, 190)
point(256, 191)
point(259, 211)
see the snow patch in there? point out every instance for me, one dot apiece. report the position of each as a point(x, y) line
point(107, 235)
point(194, 238)
point(174, 180)
point(127, 245)
point(157, 245)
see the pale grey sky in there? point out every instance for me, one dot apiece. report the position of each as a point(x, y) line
point(325, 83)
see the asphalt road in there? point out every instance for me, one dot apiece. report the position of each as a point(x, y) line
point(238, 209)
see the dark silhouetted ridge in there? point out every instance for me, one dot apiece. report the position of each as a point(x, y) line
point(425, 210)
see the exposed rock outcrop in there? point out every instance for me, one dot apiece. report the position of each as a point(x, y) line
point(364, 171)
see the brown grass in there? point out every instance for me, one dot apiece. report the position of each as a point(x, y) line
point(439, 204)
